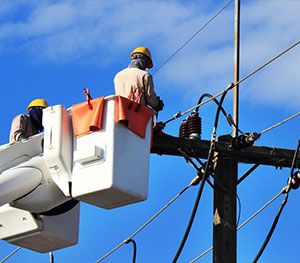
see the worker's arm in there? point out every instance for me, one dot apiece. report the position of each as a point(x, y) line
point(18, 128)
point(151, 98)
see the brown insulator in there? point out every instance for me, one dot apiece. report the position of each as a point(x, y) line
point(194, 126)
point(184, 129)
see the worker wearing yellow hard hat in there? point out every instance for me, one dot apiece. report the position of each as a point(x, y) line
point(146, 52)
point(24, 126)
point(37, 103)
point(136, 83)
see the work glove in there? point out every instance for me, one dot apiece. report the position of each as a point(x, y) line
point(22, 137)
point(160, 105)
point(158, 128)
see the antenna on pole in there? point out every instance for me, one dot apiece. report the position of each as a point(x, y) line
point(236, 67)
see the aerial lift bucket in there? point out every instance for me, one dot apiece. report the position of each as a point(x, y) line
point(111, 164)
point(43, 164)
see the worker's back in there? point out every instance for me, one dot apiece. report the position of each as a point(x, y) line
point(131, 79)
point(135, 83)
point(138, 81)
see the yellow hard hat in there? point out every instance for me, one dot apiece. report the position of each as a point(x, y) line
point(37, 103)
point(144, 51)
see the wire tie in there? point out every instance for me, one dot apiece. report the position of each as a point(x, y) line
point(178, 114)
point(287, 188)
point(230, 86)
point(195, 180)
point(127, 240)
point(229, 119)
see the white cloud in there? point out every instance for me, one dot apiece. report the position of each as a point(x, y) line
point(95, 24)
point(50, 19)
point(65, 31)
point(271, 30)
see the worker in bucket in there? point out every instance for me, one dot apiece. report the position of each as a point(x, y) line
point(24, 126)
point(135, 83)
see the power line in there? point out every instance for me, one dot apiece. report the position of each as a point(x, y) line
point(272, 228)
point(149, 221)
point(278, 124)
point(51, 257)
point(244, 223)
point(191, 38)
point(134, 249)
point(179, 114)
point(205, 176)
point(287, 190)
point(15, 251)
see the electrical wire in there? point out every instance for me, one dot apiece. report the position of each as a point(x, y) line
point(240, 209)
point(179, 114)
point(15, 251)
point(191, 38)
point(51, 257)
point(272, 229)
point(245, 222)
point(278, 124)
point(205, 176)
point(190, 162)
point(227, 116)
point(294, 158)
point(247, 173)
point(151, 219)
point(197, 106)
point(214, 99)
point(210, 153)
point(134, 249)
point(228, 192)
point(288, 187)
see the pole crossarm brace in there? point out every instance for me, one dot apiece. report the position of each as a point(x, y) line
point(278, 157)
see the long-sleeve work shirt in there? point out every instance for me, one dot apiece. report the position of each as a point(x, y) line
point(21, 125)
point(139, 82)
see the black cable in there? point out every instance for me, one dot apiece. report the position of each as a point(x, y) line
point(198, 169)
point(294, 158)
point(214, 99)
point(205, 175)
point(280, 208)
point(189, 160)
point(240, 209)
point(272, 229)
point(219, 108)
point(134, 249)
point(228, 117)
point(228, 192)
point(199, 161)
point(194, 181)
point(247, 173)
point(51, 257)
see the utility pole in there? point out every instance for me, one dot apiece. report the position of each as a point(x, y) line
point(224, 232)
point(226, 166)
point(224, 220)
point(225, 176)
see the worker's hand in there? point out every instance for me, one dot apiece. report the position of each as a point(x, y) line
point(160, 105)
point(22, 137)
point(158, 128)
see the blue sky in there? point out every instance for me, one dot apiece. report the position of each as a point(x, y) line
point(54, 49)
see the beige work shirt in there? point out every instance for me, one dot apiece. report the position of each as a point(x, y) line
point(139, 81)
point(21, 125)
